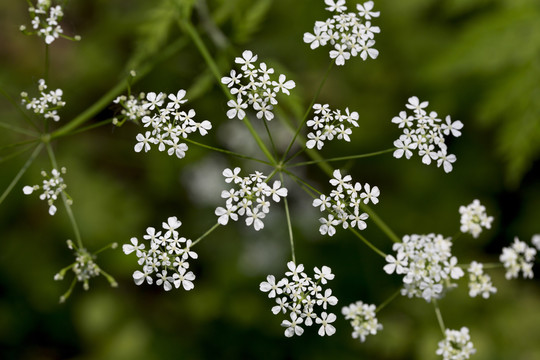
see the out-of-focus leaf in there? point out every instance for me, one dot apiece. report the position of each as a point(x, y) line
point(154, 30)
point(248, 22)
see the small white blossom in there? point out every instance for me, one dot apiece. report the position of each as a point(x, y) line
point(518, 257)
point(362, 318)
point(53, 186)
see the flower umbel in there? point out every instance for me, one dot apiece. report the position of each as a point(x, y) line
point(303, 298)
point(349, 33)
point(328, 124)
point(249, 199)
point(47, 104)
point(457, 345)
point(84, 268)
point(479, 282)
point(257, 86)
point(52, 187)
point(518, 257)
point(474, 218)
point(425, 133)
point(45, 21)
point(427, 264)
point(166, 257)
point(363, 319)
point(343, 204)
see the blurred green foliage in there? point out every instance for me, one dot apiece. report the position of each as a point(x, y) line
point(474, 59)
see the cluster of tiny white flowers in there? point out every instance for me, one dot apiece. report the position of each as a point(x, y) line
point(327, 124)
point(84, 268)
point(132, 106)
point(346, 32)
point(519, 256)
point(425, 133)
point(363, 319)
point(47, 104)
point(52, 186)
point(427, 264)
point(254, 86)
point(168, 123)
point(167, 257)
point(45, 19)
point(457, 345)
point(479, 282)
point(343, 204)
point(473, 218)
point(250, 199)
point(302, 296)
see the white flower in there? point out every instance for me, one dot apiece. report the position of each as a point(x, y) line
point(128, 249)
point(293, 326)
point(237, 109)
point(474, 218)
point(518, 257)
point(396, 264)
point(144, 142)
point(324, 274)
point(184, 279)
point(176, 100)
point(457, 345)
point(326, 327)
point(153, 100)
point(365, 10)
point(362, 319)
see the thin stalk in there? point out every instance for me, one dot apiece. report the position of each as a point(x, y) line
point(85, 128)
point(289, 225)
point(18, 129)
point(226, 151)
point(216, 225)
point(21, 172)
point(439, 316)
point(368, 243)
point(350, 157)
point(47, 60)
point(274, 149)
point(64, 199)
point(308, 110)
point(388, 301)
point(106, 99)
point(380, 223)
point(194, 35)
point(20, 143)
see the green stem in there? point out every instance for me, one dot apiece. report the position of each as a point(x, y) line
point(47, 60)
point(350, 157)
point(18, 129)
point(106, 99)
point(439, 316)
point(365, 241)
point(388, 301)
point(226, 151)
point(20, 143)
point(194, 35)
point(64, 199)
point(216, 225)
point(83, 129)
point(308, 110)
point(289, 225)
point(274, 149)
point(21, 172)
point(380, 223)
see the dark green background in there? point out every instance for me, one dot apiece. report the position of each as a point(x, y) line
point(476, 60)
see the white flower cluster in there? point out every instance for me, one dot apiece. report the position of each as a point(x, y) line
point(346, 32)
point(299, 294)
point(255, 87)
point(479, 282)
point(168, 123)
point(519, 256)
point(84, 268)
point(343, 203)
point(457, 345)
point(425, 132)
point(133, 107)
point(47, 104)
point(363, 319)
point(167, 257)
point(327, 124)
point(473, 218)
point(45, 18)
point(536, 241)
point(427, 264)
point(250, 199)
point(52, 186)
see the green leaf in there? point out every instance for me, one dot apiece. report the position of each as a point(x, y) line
point(246, 24)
